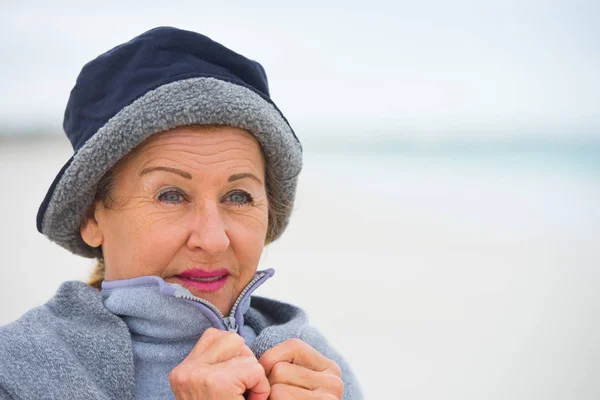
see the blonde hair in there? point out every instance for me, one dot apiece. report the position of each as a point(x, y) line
point(278, 209)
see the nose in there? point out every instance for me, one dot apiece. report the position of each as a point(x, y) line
point(208, 230)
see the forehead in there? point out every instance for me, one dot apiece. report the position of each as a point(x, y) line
point(202, 146)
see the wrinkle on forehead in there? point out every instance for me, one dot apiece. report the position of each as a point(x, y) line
point(203, 148)
point(214, 137)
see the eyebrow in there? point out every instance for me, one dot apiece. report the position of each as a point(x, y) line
point(236, 177)
point(179, 172)
point(187, 175)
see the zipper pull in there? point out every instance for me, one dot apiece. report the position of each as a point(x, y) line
point(230, 324)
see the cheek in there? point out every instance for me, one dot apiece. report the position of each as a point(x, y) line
point(247, 235)
point(141, 242)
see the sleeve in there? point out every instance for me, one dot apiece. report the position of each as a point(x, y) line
point(4, 395)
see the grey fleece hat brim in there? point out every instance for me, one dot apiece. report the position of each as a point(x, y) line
point(184, 102)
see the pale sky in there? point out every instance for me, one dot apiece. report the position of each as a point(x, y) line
point(428, 68)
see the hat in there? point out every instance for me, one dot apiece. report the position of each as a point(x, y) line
point(159, 80)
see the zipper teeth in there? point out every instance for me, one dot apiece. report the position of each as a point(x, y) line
point(248, 286)
point(235, 305)
point(206, 303)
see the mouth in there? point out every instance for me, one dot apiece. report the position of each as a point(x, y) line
point(203, 281)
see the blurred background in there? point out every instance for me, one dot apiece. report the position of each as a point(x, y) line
point(447, 226)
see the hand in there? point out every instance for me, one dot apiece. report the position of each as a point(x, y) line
point(220, 367)
point(297, 371)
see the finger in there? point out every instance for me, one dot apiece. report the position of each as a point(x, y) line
point(226, 347)
point(252, 376)
point(297, 352)
point(261, 390)
point(209, 336)
point(296, 375)
point(217, 346)
point(282, 391)
point(234, 377)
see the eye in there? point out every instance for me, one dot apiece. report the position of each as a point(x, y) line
point(171, 196)
point(239, 198)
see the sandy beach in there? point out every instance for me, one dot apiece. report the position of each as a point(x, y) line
point(436, 279)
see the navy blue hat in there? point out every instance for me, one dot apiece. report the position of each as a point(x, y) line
point(159, 80)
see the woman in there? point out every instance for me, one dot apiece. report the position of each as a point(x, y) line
point(184, 169)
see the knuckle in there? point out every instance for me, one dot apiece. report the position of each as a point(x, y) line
point(235, 339)
point(249, 353)
point(179, 377)
point(335, 385)
point(336, 369)
point(278, 371)
point(175, 378)
point(212, 333)
point(265, 359)
point(258, 369)
point(295, 342)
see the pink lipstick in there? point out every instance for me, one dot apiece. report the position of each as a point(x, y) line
point(204, 281)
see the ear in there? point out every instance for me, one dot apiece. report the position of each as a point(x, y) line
point(89, 228)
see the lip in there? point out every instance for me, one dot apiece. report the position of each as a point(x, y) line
point(187, 279)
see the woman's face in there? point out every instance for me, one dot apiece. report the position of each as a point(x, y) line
point(187, 204)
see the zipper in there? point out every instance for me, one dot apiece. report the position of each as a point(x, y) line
point(229, 322)
point(241, 296)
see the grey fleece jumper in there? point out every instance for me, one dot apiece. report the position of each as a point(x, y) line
point(166, 321)
point(72, 347)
